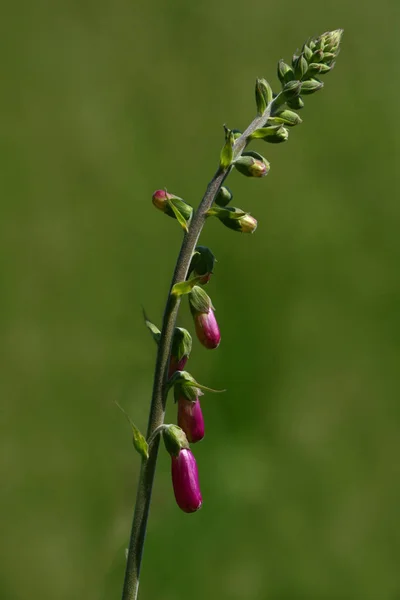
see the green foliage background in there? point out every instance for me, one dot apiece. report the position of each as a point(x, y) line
point(103, 102)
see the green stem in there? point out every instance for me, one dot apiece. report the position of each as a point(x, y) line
point(159, 397)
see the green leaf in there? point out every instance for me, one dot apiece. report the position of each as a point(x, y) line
point(138, 439)
point(185, 287)
point(227, 151)
point(153, 328)
point(179, 216)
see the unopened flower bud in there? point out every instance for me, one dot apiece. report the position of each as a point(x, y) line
point(285, 73)
point(202, 264)
point(264, 95)
point(285, 117)
point(274, 134)
point(318, 69)
point(185, 481)
point(237, 219)
point(181, 349)
point(291, 90)
point(206, 325)
point(162, 200)
point(190, 416)
point(307, 53)
point(224, 196)
point(310, 86)
point(300, 67)
point(190, 419)
point(332, 39)
point(296, 103)
point(252, 164)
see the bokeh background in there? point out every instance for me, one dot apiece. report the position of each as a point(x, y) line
point(103, 102)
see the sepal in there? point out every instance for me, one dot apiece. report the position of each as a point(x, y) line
point(175, 439)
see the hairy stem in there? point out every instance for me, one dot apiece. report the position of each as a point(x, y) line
point(159, 397)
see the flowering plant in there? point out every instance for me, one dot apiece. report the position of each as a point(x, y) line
point(276, 113)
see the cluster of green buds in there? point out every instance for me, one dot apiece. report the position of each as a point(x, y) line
point(276, 115)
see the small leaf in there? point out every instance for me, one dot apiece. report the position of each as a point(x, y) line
point(179, 216)
point(138, 439)
point(227, 151)
point(185, 287)
point(153, 328)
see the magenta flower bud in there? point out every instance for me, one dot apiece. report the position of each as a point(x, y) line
point(205, 323)
point(190, 419)
point(160, 198)
point(185, 481)
point(207, 329)
point(176, 365)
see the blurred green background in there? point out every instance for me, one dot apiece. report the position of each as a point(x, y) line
point(102, 103)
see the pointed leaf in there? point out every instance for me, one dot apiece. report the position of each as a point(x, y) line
point(227, 151)
point(138, 439)
point(185, 287)
point(179, 216)
point(153, 328)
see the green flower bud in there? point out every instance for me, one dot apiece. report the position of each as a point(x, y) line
point(224, 196)
point(274, 134)
point(285, 73)
point(300, 67)
point(236, 133)
point(296, 103)
point(285, 117)
point(291, 90)
point(237, 219)
point(317, 56)
point(310, 86)
point(180, 351)
point(264, 95)
point(307, 53)
point(202, 263)
point(318, 69)
point(163, 200)
point(332, 39)
point(252, 164)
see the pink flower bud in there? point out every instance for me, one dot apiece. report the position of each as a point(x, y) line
point(176, 365)
point(190, 419)
point(207, 329)
point(185, 480)
point(160, 198)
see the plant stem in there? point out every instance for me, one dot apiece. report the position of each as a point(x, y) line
point(159, 397)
